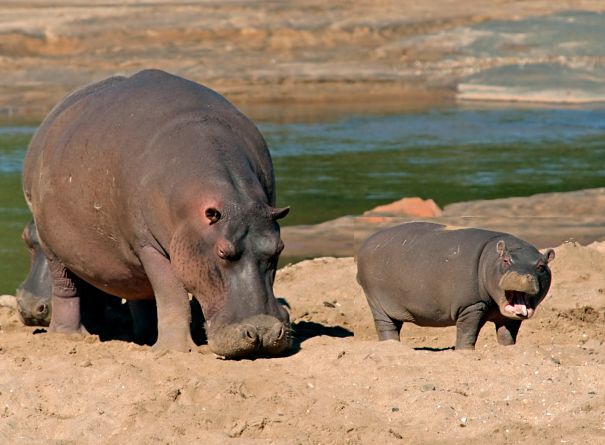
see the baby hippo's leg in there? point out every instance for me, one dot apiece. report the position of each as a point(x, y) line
point(470, 321)
point(386, 327)
point(507, 330)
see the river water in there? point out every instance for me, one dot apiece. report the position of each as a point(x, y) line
point(346, 164)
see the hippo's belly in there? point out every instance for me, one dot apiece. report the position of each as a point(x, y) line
point(83, 225)
point(405, 305)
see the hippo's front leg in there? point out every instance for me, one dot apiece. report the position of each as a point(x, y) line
point(470, 321)
point(172, 300)
point(506, 331)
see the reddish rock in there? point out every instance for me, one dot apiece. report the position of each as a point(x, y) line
point(407, 207)
point(373, 219)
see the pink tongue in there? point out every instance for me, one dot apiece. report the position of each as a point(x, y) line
point(521, 309)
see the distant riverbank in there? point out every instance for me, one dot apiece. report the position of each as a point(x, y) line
point(286, 52)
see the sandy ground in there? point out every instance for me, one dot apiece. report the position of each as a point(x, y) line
point(250, 51)
point(339, 386)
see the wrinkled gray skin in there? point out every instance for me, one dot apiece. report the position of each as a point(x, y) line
point(434, 275)
point(155, 185)
point(34, 294)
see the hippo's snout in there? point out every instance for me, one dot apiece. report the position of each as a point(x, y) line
point(34, 311)
point(521, 294)
point(513, 281)
point(261, 335)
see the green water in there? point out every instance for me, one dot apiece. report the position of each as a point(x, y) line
point(329, 169)
point(341, 166)
point(14, 259)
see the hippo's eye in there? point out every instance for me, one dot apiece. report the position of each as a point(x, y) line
point(541, 268)
point(213, 215)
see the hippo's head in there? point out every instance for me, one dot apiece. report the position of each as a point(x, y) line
point(520, 277)
point(34, 294)
point(227, 259)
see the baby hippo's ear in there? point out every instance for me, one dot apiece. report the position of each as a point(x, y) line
point(549, 255)
point(501, 248)
point(503, 253)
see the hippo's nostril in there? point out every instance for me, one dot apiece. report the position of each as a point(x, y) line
point(250, 334)
point(280, 333)
point(41, 309)
point(275, 335)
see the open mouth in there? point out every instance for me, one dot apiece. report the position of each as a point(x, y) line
point(518, 303)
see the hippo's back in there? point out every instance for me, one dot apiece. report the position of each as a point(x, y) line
point(114, 119)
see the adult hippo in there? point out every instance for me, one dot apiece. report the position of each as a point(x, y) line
point(155, 185)
point(34, 293)
point(435, 275)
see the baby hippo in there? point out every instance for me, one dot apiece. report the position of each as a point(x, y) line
point(434, 275)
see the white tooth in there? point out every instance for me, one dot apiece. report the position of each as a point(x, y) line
point(509, 308)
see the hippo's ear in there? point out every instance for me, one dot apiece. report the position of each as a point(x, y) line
point(549, 255)
point(279, 213)
point(501, 248)
point(212, 214)
point(503, 253)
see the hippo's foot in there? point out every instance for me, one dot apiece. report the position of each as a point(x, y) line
point(464, 347)
point(174, 343)
point(68, 330)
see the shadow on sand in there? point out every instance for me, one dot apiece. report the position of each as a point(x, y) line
point(428, 348)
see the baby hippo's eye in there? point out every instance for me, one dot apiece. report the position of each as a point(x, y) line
point(541, 268)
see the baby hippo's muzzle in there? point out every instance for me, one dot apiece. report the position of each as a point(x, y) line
point(520, 291)
point(258, 336)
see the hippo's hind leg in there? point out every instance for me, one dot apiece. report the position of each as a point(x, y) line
point(386, 327)
point(172, 300)
point(470, 321)
point(506, 331)
point(65, 300)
